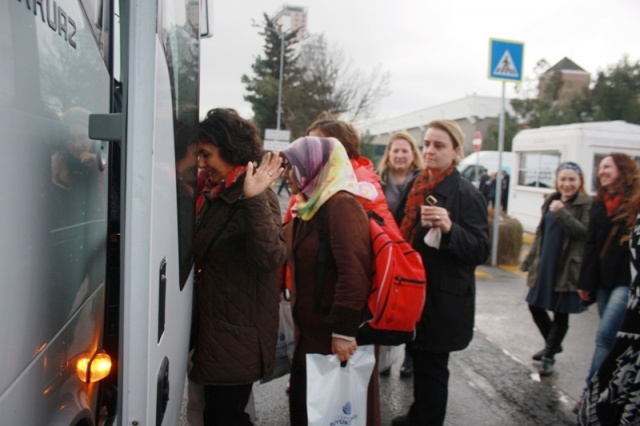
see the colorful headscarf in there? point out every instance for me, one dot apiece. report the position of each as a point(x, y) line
point(321, 168)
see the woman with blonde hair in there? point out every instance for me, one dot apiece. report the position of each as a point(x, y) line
point(400, 163)
point(444, 217)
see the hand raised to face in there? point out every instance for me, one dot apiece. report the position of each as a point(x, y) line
point(260, 178)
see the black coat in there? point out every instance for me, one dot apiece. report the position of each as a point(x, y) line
point(613, 270)
point(447, 321)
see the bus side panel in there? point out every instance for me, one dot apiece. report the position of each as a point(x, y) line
point(54, 210)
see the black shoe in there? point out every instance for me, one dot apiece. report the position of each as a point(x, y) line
point(401, 421)
point(407, 367)
point(385, 373)
point(546, 368)
point(538, 355)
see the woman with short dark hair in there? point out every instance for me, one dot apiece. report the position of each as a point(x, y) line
point(239, 250)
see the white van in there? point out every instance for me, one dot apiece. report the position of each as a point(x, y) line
point(539, 151)
point(485, 160)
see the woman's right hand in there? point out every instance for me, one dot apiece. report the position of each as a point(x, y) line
point(556, 205)
point(260, 178)
point(585, 295)
point(343, 348)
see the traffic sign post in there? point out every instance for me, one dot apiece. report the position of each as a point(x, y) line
point(476, 143)
point(276, 140)
point(505, 64)
point(505, 60)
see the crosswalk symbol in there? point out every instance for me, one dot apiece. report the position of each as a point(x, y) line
point(505, 60)
point(506, 67)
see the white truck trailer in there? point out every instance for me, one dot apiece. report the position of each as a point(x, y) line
point(539, 151)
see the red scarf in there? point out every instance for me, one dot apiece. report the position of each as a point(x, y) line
point(421, 188)
point(612, 202)
point(211, 190)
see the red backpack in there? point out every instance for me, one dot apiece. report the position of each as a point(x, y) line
point(398, 287)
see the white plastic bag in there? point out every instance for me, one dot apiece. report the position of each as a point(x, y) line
point(285, 345)
point(388, 355)
point(338, 395)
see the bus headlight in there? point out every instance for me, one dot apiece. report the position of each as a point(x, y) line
point(95, 368)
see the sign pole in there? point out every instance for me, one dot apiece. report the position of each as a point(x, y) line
point(476, 143)
point(505, 63)
point(497, 205)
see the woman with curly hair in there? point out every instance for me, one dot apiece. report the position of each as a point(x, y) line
point(239, 249)
point(605, 274)
point(612, 396)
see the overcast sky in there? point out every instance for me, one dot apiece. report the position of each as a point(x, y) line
point(435, 51)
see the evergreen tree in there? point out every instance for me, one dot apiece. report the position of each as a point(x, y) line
point(262, 88)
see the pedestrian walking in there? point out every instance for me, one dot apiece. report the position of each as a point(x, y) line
point(612, 396)
point(554, 260)
point(605, 275)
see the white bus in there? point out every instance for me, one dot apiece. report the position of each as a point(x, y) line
point(98, 114)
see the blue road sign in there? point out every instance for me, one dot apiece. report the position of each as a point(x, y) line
point(505, 60)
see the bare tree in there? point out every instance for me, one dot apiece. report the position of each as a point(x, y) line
point(349, 91)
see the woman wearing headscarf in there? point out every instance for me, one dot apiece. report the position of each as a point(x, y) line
point(324, 185)
point(444, 217)
point(239, 249)
point(554, 261)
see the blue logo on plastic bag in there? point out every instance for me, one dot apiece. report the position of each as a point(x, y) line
point(347, 419)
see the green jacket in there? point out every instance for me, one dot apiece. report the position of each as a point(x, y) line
point(574, 220)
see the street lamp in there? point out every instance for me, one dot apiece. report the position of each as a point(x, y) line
point(282, 35)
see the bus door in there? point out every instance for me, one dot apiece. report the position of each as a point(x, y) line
point(160, 67)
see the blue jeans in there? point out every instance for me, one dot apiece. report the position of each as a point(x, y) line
point(612, 304)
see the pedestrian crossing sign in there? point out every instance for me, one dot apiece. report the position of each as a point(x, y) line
point(505, 60)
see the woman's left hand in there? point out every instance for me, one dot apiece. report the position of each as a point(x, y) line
point(259, 179)
point(438, 216)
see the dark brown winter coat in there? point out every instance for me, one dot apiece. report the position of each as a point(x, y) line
point(238, 295)
point(347, 281)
